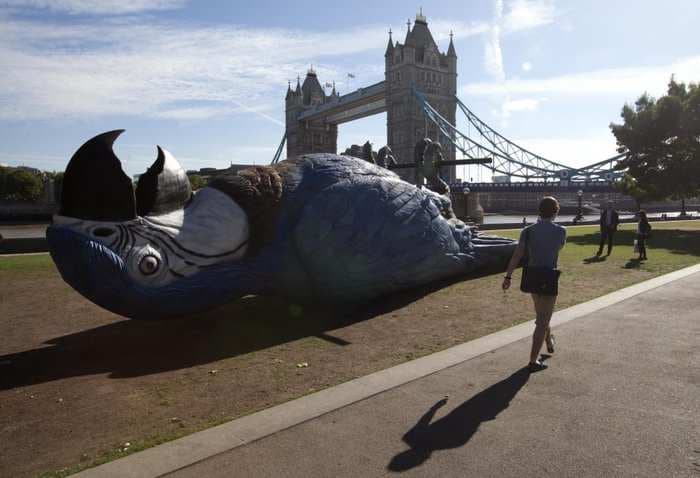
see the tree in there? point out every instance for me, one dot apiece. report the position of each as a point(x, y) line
point(3, 182)
point(20, 185)
point(57, 178)
point(629, 186)
point(662, 141)
point(197, 181)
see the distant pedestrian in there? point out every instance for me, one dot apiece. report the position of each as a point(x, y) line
point(525, 222)
point(643, 232)
point(609, 219)
point(540, 243)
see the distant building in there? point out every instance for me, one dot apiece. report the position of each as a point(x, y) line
point(208, 173)
point(29, 169)
point(501, 179)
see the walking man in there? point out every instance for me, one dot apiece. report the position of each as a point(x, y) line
point(609, 219)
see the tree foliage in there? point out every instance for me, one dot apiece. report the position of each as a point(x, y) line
point(629, 186)
point(662, 141)
point(57, 185)
point(19, 185)
point(196, 181)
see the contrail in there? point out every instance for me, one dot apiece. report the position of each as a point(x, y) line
point(259, 113)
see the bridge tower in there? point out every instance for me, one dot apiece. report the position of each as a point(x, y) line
point(312, 136)
point(312, 117)
point(419, 62)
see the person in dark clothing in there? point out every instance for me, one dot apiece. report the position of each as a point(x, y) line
point(541, 243)
point(609, 219)
point(643, 231)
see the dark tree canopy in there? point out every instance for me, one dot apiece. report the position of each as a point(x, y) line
point(19, 185)
point(58, 185)
point(662, 141)
point(629, 186)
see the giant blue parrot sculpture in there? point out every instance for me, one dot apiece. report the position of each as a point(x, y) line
point(319, 227)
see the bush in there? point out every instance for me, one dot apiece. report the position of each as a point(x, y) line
point(19, 185)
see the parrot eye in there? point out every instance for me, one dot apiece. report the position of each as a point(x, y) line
point(149, 265)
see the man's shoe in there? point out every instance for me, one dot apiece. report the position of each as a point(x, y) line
point(536, 366)
point(550, 344)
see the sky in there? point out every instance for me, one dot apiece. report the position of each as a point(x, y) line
point(206, 79)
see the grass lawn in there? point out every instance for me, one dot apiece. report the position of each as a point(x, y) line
point(77, 383)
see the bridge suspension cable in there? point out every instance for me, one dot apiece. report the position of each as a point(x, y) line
point(514, 150)
point(472, 149)
point(280, 148)
point(510, 158)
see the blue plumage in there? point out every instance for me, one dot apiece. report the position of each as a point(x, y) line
point(342, 230)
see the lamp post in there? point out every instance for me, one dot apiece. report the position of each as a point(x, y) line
point(579, 214)
point(465, 192)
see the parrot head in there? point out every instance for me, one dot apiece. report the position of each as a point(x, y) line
point(146, 252)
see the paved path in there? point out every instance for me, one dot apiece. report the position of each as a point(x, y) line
point(23, 231)
point(621, 398)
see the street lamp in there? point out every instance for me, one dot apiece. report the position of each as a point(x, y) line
point(465, 192)
point(579, 214)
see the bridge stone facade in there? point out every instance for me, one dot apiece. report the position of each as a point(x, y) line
point(312, 116)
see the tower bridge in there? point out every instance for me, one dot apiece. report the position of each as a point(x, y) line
point(342, 109)
point(312, 117)
point(419, 97)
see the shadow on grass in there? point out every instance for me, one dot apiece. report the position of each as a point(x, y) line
point(456, 428)
point(130, 348)
point(673, 240)
point(594, 259)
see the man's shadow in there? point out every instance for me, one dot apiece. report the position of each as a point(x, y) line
point(456, 428)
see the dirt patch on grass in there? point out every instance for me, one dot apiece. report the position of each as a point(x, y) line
point(77, 383)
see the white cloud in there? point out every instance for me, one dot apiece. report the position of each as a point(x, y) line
point(527, 104)
point(527, 14)
point(630, 82)
point(493, 56)
point(574, 152)
point(95, 7)
point(441, 29)
point(141, 67)
point(136, 65)
point(516, 15)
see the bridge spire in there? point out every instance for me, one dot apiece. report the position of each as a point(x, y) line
point(420, 18)
point(451, 49)
point(389, 46)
